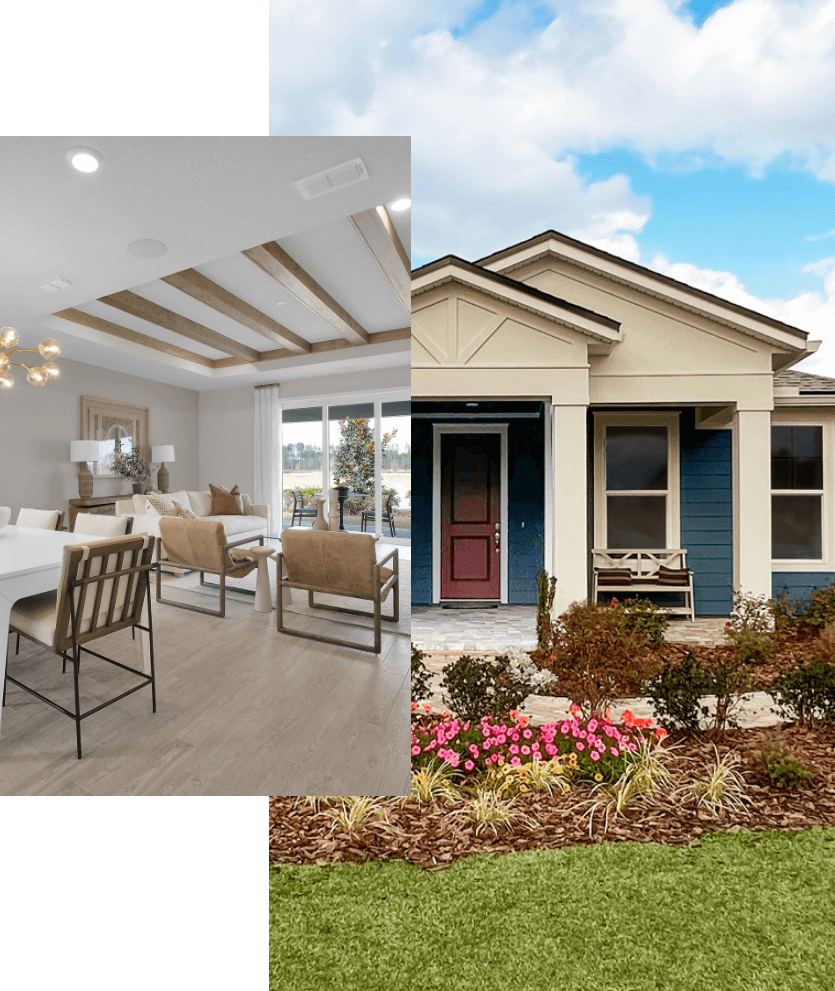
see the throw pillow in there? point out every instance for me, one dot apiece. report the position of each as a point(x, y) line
point(247, 504)
point(673, 576)
point(182, 512)
point(161, 503)
point(226, 502)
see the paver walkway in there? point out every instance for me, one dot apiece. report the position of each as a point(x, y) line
point(447, 633)
point(434, 628)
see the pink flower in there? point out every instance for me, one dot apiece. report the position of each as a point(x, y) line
point(592, 726)
point(527, 734)
point(513, 748)
point(526, 750)
point(427, 708)
point(550, 749)
point(595, 756)
point(469, 765)
point(614, 751)
point(415, 751)
point(515, 760)
point(565, 727)
point(581, 746)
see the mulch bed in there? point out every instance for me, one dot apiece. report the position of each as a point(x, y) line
point(425, 836)
point(793, 648)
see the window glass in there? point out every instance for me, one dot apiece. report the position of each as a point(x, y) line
point(797, 457)
point(636, 521)
point(636, 458)
point(796, 527)
point(301, 450)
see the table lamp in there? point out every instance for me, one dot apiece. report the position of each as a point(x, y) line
point(84, 451)
point(162, 453)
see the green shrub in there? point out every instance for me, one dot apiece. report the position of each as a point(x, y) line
point(420, 676)
point(646, 620)
point(775, 764)
point(596, 657)
point(475, 687)
point(676, 693)
point(819, 608)
point(751, 646)
point(806, 693)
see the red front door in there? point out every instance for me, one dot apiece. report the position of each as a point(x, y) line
point(470, 516)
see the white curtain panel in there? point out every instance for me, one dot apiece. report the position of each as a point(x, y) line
point(268, 453)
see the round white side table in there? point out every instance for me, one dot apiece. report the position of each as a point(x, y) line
point(263, 598)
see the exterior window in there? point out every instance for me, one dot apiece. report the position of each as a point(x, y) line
point(796, 493)
point(637, 491)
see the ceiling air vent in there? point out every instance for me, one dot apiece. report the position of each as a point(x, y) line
point(55, 285)
point(330, 180)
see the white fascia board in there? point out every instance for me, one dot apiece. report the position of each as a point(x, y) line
point(518, 297)
point(611, 269)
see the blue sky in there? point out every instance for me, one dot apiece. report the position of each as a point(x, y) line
point(696, 138)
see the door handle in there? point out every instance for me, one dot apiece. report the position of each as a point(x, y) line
point(497, 536)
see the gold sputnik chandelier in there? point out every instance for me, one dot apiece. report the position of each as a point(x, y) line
point(37, 374)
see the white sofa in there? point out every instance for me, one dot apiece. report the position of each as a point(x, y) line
point(146, 520)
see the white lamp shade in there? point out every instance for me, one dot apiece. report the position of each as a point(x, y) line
point(162, 452)
point(84, 450)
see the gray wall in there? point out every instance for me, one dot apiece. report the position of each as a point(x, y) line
point(37, 425)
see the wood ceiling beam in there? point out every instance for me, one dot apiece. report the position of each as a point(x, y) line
point(144, 309)
point(196, 285)
point(126, 334)
point(276, 262)
point(380, 237)
point(401, 334)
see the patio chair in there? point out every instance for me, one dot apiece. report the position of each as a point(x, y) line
point(335, 562)
point(42, 519)
point(300, 512)
point(102, 589)
point(201, 546)
point(386, 516)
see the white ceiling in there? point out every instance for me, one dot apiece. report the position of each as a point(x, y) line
point(207, 199)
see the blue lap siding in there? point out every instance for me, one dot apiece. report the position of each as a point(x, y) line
point(800, 584)
point(707, 514)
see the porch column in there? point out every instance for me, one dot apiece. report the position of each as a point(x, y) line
point(569, 506)
point(752, 501)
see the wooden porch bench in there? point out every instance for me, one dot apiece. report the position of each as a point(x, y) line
point(643, 571)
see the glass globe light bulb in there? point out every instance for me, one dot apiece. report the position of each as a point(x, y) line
point(51, 369)
point(6, 380)
point(37, 376)
point(8, 337)
point(49, 348)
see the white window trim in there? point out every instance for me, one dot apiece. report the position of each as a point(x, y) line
point(376, 398)
point(827, 493)
point(438, 429)
point(673, 491)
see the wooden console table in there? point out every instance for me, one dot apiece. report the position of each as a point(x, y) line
point(100, 504)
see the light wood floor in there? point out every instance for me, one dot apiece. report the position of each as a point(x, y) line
point(241, 710)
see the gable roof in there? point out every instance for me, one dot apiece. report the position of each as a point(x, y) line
point(452, 268)
point(742, 318)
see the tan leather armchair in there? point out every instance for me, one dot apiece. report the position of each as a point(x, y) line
point(334, 562)
point(201, 545)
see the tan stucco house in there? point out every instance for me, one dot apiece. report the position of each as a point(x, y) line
point(566, 400)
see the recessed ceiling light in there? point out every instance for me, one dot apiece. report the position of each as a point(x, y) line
point(147, 247)
point(471, 404)
point(84, 159)
point(281, 302)
point(401, 204)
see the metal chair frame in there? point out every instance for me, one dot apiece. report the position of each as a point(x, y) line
point(385, 517)
point(379, 592)
point(222, 574)
point(138, 577)
point(301, 512)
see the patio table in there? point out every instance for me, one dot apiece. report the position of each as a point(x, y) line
point(342, 496)
point(30, 562)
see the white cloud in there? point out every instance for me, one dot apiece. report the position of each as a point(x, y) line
point(813, 312)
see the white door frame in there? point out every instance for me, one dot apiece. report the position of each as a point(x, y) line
point(438, 429)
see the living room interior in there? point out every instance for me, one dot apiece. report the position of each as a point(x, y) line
point(231, 318)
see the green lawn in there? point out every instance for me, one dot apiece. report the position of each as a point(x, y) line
point(736, 912)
